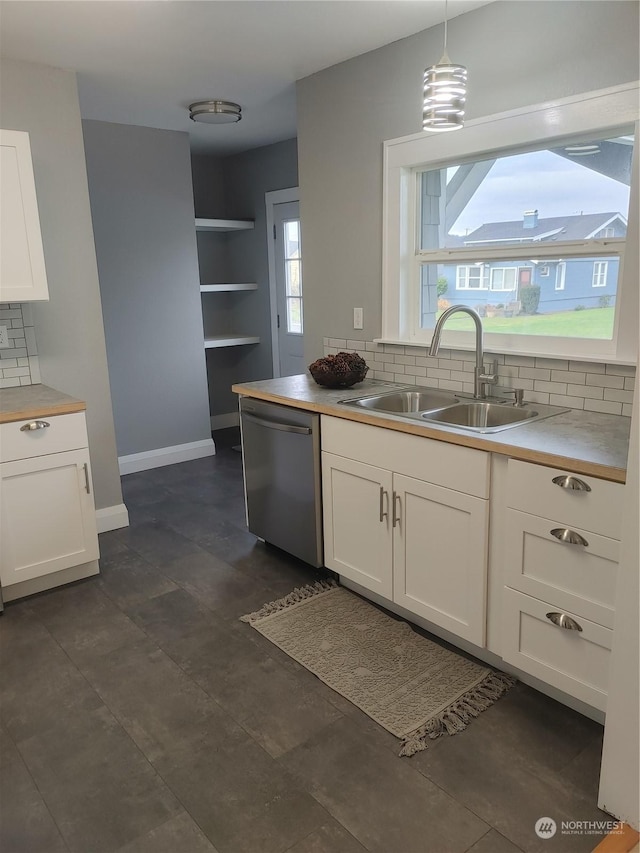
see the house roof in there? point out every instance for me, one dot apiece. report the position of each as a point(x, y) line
point(559, 228)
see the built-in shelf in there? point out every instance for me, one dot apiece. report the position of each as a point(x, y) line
point(230, 341)
point(224, 288)
point(224, 224)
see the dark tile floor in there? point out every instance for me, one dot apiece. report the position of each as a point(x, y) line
point(140, 715)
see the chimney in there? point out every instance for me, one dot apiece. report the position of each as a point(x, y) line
point(530, 219)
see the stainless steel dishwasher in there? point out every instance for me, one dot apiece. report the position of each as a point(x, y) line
point(281, 459)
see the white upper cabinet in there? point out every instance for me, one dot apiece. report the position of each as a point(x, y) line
point(23, 277)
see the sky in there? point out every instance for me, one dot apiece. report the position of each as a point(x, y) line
point(544, 181)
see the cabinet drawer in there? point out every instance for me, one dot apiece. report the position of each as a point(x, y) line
point(576, 662)
point(530, 488)
point(580, 578)
point(460, 468)
point(64, 432)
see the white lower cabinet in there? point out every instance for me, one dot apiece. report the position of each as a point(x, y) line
point(48, 521)
point(559, 574)
point(413, 541)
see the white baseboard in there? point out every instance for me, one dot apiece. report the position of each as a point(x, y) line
point(230, 419)
point(166, 456)
point(112, 518)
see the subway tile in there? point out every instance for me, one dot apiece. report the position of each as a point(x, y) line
point(537, 397)
point(552, 363)
point(587, 366)
point(371, 346)
point(618, 396)
point(34, 367)
point(415, 371)
point(382, 374)
point(395, 349)
point(627, 409)
point(393, 367)
point(574, 376)
point(551, 387)
point(407, 380)
point(425, 362)
point(405, 359)
point(468, 388)
point(563, 400)
point(621, 369)
point(451, 363)
point(508, 371)
point(585, 391)
point(416, 351)
point(535, 373)
point(22, 362)
point(605, 380)
point(8, 362)
point(450, 385)
point(459, 376)
point(26, 380)
point(10, 314)
point(15, 352)
point(629, 383)
point(340, 343)
point(354, 345)
point(9, 383)
point(325, 342)
point(606, 406)
point(436, 373)
point(11, 372)
point(519, 360)
point(526, 384)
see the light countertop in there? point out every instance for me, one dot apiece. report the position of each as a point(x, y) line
point(588, 443)
point(35, 401)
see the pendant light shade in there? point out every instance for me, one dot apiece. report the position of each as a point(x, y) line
point(445, 92)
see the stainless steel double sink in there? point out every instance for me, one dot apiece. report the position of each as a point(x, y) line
point(453, 410)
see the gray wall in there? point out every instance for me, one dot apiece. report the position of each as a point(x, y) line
point(143, 218)
point(246, 178)
point(517, 53)
point(69, 330)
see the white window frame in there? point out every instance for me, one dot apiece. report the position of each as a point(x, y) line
point(598, 113)
point(561, 275)
point(503, 270)
point(600, 272)
point(468, 267)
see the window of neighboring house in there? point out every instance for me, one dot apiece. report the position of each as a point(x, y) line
point(599, 274)
point(471, 278)
point(516, 191)
point(504, 278)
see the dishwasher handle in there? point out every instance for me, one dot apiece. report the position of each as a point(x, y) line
point(275, 425)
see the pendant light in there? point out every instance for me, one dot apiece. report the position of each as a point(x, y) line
point(445, 92)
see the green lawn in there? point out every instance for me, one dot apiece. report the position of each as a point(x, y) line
point(590, 323)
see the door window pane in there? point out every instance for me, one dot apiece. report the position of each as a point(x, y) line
point(293, 276)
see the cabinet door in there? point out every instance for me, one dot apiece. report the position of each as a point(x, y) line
point(48, 519)
point(440, 556)
point(22, 272)
point(357, 527)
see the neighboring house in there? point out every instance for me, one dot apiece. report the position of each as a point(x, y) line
point(590, 282)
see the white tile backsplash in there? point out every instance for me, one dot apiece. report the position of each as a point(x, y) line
point(594, 386)
point(19, 361)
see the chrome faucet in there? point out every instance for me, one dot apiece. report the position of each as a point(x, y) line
point(481, 378)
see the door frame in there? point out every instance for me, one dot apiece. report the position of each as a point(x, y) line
point(271, 199)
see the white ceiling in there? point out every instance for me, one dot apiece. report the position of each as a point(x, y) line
point(143, 62)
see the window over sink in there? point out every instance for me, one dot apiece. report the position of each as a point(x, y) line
point(524, 217)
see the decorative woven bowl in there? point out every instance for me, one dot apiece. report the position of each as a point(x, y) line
point(339, 371)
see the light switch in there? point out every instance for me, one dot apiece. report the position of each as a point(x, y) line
point(358, 318)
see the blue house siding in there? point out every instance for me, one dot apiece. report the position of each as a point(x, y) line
point(578, 285)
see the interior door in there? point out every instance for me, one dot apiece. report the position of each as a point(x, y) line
point(289, 299)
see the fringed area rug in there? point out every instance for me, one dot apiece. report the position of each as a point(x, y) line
point(412, 686)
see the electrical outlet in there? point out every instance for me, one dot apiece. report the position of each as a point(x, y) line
point(4, 337)
point(358, 322)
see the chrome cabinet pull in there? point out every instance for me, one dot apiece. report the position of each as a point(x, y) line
point(573, 484)
point(384, 496)
point(34, 425)
point(563, 534)
point(564, 621)
point(87, 483)
point(396, 514)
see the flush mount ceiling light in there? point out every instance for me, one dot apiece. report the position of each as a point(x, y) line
point(445, 92)
point(215, 112)
point(584, 149)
